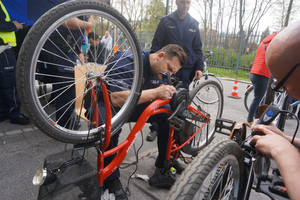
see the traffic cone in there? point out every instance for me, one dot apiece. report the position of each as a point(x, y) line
point(234, 93)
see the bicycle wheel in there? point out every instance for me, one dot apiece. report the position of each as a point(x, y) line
point(208, 76)
point(216, 173)
point(207, 97)
point(249, 96)
point(50, 53)
point(213, 77)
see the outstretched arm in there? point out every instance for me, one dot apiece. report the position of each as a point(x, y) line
point(286, 156)
point(161, 92)
point(76, 23)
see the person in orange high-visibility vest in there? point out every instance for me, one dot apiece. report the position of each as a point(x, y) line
point(259, 76)
point(9, 101)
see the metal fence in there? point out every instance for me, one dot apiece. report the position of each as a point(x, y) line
point(230, 50)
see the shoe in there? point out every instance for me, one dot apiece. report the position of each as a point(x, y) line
point(178, 166)
point(115, 187)
point(162, 179)
point(21, 119)
point(151, 136)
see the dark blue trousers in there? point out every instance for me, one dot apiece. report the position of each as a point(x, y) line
point(183, 75)
point(9, 100)
point(260, 84)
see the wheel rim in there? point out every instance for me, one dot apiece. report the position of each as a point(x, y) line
point(248, 99)
point(45, 112)
point(208, 99)
point(222, 182)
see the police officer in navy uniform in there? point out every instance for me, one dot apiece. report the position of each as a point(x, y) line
point(182, 29)
point(9, 101)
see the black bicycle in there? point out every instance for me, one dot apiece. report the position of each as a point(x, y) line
point(229, 169)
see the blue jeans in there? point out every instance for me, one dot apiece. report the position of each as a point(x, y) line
point(260, 84)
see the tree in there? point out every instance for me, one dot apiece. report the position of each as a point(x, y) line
point(284, 12)
point(286, 22)
point(154, 11)
point(132, 10)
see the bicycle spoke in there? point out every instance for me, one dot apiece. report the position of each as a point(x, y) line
point(57, 75)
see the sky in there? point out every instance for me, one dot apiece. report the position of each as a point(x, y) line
point(266, 21)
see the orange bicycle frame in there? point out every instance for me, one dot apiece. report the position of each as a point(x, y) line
point(122, 149)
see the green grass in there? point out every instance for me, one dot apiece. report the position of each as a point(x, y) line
point(229, 73)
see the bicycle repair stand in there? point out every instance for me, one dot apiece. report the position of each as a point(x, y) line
point(73, 171)
point(226, 124)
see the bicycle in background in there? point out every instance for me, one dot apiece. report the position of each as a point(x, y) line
point(207, 93)
point(269, 97)
point(206, 75)
point(248, 97)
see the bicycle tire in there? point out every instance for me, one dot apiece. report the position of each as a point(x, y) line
point(35, 46)
point(198, 179)
point(247, 99)
point(207, 97)
point(216, 79)
point(209, 75)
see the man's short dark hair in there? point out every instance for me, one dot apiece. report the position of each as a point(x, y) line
point(173, 50)
point(93, 35)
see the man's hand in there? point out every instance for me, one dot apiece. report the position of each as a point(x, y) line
point(198, 75)
point(272, 140)
point(18, 25)
point(164, 92)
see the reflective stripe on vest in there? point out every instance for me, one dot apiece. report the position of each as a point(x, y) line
point(8, 36)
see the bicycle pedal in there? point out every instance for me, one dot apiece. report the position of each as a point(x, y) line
point(226, 124)
point(176, 123)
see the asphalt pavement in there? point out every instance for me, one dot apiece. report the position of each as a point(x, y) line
point(24, 148)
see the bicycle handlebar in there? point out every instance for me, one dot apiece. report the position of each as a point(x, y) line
point(169, 80)
point(207, 55)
